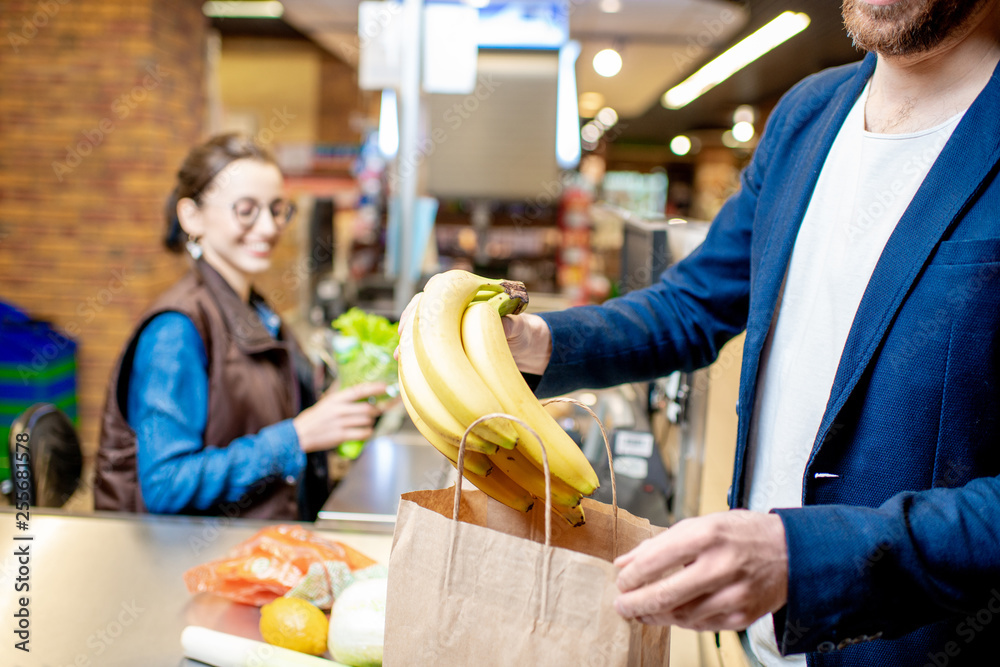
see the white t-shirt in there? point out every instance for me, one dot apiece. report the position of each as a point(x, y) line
point(865, 185)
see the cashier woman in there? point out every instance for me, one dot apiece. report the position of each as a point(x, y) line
point(212, 406)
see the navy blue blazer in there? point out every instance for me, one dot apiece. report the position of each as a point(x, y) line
point(895, 557)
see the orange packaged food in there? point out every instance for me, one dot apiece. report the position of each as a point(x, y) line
point(272, 562)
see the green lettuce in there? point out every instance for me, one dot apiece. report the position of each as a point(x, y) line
point(363, 352)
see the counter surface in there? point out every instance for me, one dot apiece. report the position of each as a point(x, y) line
point(368, 496)
point(108, 590)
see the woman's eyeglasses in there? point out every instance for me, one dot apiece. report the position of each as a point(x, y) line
point(247, 210)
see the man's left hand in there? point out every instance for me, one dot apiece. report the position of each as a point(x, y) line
point(717, 572)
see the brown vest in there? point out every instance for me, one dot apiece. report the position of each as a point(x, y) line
point(253, 383)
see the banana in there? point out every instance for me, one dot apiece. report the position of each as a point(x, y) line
point(489, 355)
point(486, 293)
point(513, 464)
point(500, 487)
point(574, 515)
point(437, 343)
point(475, 462)
point(425, 405)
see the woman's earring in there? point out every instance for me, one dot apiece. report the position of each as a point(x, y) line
point(193, 247)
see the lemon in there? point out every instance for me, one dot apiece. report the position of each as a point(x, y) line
point(294, 624)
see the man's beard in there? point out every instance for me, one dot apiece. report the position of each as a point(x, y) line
point(906, 27)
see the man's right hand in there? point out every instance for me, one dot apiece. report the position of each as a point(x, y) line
point(530, 342)
point(527, 335)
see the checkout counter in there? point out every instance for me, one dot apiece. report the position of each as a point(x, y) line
point(107, 589)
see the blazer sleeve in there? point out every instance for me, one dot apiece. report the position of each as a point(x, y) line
point(680, 322)
point(921, 557)
point(168, 410)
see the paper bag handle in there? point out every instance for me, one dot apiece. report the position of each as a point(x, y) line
point(611, 465)
point(545, 467)
point(548, 485)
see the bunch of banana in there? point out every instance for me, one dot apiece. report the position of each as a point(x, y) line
point(455, 365)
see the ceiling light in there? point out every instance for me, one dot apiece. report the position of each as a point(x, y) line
point(607, 117)
point(744, 112)
point(607, 62)
point(243, 10)
point(782, 28)
point(743, 131)
point(680, 145)
point(590, 133)
point(388, 125)
point(611, 6)
point(567, 108)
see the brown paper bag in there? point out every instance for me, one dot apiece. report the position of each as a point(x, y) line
point(485, 590)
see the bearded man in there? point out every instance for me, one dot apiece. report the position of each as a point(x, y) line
point(862, 257)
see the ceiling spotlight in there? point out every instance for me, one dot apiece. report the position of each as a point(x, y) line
point(743, 131)
point(611, 6)
point(607, 117)
point(590, 133)
point(680, 145)
point(744, 112)
point(607, 62)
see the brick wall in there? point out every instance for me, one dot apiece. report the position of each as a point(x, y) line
point(341, 103)
point(101, 100)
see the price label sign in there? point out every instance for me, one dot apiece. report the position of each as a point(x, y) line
point(631, 466)
point(634, 443)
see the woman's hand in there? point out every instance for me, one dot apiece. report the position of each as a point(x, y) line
point(528, 337)
point(338, 417)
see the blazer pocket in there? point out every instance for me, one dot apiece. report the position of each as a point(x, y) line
point(974, 251)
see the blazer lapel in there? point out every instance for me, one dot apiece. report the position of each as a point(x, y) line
point(961, 169)
point(777, 254)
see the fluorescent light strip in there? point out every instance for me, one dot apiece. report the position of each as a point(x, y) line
point(243, 10)
point(567, 108)
point(388, 125)
point(785, 26)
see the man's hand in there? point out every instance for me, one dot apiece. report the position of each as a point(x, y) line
point(530, 342)
point(718, 572)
